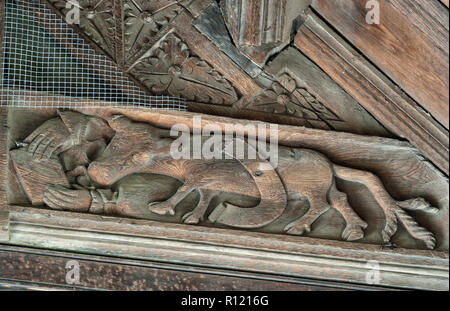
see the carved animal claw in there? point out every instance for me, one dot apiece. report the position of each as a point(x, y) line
point(297, 228)
point(161, 208)
point(189, 218)
point(353, 233)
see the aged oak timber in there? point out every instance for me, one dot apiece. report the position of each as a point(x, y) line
point(372, 89)
point(403, 46)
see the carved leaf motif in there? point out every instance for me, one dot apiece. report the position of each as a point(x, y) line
point(170, 68)
point(143, 20)
point(96, 21)
point(287, 98)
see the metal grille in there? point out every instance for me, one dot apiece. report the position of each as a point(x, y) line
point(46, 64)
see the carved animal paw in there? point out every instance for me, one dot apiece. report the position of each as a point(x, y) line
point(298, 227)
point(353, 233)
point(162, 208)
point(61, 198)
point(189, 218)
point(411, 225)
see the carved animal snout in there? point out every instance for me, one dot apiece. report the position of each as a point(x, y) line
point(102, 173)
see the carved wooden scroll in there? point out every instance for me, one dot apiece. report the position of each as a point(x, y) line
point(108, 162)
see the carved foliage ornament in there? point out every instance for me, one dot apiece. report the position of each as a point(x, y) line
point(287, 98)
point(143, 20)
point(84, 163)
point(170, 67)
point(97, 21)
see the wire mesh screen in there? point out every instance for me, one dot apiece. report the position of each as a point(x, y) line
point(46, 64)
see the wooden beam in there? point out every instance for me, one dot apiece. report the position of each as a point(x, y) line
point(38, 268)
point(372, 89)
point(402, 45)
point(251, 252)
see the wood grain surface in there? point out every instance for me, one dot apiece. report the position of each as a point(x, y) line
point(412, 59)
point(372, 89)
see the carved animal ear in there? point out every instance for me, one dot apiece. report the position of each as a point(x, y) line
point(99, 129)
point(71, 120)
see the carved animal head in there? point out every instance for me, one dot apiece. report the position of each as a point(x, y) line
point(128, 152)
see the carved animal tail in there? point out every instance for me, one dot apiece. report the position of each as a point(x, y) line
point(376, 187)
point(271, 206)
point(272, 193)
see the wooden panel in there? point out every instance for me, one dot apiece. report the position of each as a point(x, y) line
point(350, 116)
point(400, 166)
point(372, 89)
point(428, 18)
point(410, 58)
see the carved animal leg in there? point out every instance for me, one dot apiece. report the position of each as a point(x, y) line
point(376, 187)
point(198, 214)
point(355, 225)
point(393, 210)
point(168, 207)
point(318, 206)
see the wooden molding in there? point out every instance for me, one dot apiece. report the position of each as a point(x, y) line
point(372, 89)
point(4, 226)
point(225, 249)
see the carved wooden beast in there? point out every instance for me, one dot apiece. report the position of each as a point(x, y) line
point(96, 154)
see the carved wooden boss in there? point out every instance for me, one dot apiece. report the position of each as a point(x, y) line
point(75, 162)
